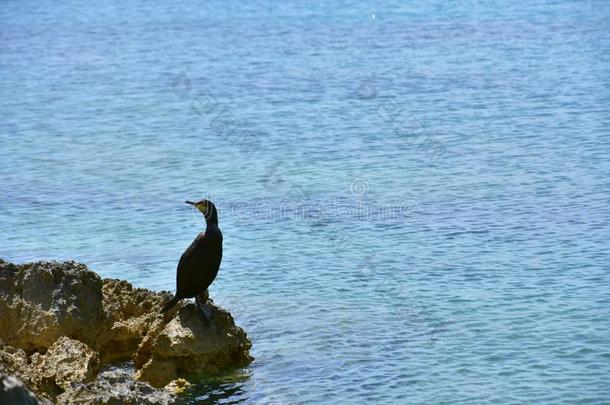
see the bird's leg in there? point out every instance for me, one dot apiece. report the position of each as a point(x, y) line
point(205, 309)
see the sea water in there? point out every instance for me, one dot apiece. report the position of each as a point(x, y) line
point(413, 195)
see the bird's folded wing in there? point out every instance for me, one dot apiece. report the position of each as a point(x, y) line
point(186, 260)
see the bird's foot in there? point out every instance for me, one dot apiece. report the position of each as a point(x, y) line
point(205, 309)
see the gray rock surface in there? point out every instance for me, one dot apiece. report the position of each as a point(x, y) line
point(116, 386)
point(14, 392)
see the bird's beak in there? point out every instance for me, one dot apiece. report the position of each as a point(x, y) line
point(189, 202)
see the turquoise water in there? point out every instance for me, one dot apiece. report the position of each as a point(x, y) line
point(414, 197)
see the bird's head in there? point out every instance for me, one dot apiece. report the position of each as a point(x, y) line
point(207, 208)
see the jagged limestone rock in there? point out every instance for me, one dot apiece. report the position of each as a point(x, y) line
point(39, 302)
point(14, 361)
point(132, 311)
point(116, 386)
point(60, 323)
point(66, 362)
point(187, 345)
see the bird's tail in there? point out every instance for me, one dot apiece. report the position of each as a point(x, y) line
point(170, 304)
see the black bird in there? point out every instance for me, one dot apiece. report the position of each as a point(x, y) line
point(199, 263)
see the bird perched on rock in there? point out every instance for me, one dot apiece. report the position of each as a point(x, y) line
point(199, 263)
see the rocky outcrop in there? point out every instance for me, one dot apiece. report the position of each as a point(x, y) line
point(60, 324)
point(43, 301)
point(187, 345)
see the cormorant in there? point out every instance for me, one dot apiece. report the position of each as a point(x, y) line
point(199, 263)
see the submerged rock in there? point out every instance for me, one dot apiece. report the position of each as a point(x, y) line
point(177, 386)
point(61, 323)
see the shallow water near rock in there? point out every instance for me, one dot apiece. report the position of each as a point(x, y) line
point(413, 195)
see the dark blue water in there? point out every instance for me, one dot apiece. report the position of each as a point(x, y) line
point(414, 196)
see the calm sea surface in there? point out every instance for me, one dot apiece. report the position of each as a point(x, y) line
point(414, 196)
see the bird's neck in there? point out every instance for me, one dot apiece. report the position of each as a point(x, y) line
point(212, 220)
point(211, 223)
